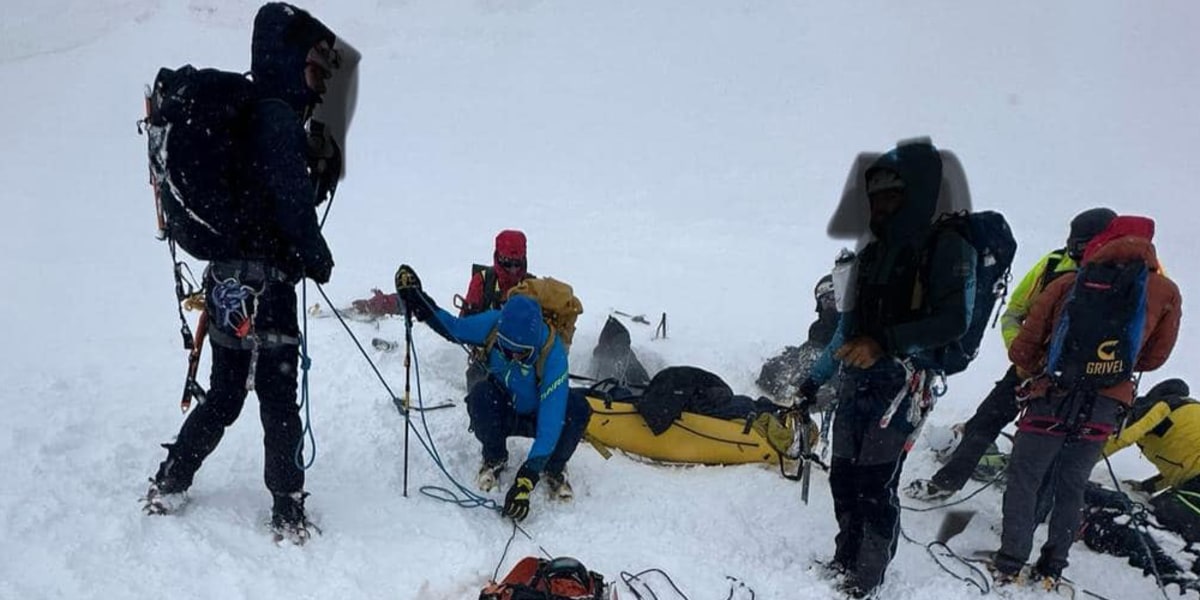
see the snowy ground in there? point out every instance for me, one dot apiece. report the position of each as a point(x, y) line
point(667, 156)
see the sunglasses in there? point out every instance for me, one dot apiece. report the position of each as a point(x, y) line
point(511, 263)
point(512, 351)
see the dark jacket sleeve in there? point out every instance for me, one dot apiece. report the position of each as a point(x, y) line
point(951, 296)
point(279, 161)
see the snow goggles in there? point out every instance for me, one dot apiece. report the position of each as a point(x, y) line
point(510, 264)
point(512, 351)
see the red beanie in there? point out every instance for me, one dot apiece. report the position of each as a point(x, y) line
point(510, 243)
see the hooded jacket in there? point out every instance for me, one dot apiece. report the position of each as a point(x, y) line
point(520, 321)
point(1165, 424)
point(910, 302)
point(1046, 270)
point(283, 228)
point(489, 286)
point(1127, 238)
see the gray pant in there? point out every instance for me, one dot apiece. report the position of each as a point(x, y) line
point(1034, 454)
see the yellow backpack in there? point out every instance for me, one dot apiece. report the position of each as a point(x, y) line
point(560, 307)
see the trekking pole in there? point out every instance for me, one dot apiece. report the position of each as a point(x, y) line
point(407, 387)
point(191, 389)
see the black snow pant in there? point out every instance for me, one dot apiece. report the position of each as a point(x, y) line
point(1036, 451)
point(1179, 510)
point(275, 377)
point(996, 411)
point(865, 471)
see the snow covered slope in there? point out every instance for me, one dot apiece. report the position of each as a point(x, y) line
point(671, 156)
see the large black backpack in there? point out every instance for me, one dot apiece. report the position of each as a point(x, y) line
point(196, 121)
point(1096, 341)
point(989, 234)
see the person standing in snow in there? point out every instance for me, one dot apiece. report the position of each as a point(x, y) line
point(882, 344)
point(1000, 407)
point(1067, 419)
point(526, 391)
point(251, 297)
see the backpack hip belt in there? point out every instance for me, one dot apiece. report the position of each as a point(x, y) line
point(268, 339)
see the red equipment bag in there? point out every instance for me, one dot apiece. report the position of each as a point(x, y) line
point(563, 578)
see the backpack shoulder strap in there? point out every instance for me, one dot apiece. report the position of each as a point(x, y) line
point(539, 368)
point(491, 289)
point(1049, 273)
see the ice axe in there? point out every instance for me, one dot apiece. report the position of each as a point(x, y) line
point(635, 318)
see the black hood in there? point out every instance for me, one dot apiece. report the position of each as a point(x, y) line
point(920, 167)
point(283, 35)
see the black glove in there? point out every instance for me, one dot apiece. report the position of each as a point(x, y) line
point(516, 503)
point(321, 271)
point(807, 390)
point(416, 302)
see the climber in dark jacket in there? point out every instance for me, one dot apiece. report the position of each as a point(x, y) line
point(250, 293)
point(885, 344)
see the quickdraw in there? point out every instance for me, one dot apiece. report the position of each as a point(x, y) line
point(230, 299)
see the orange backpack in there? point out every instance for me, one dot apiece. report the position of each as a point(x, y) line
point(563, 578)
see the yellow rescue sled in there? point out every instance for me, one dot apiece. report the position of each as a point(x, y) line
point(692, 438)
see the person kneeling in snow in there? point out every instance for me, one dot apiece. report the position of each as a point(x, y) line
point(1165, 425)
point(526, 391)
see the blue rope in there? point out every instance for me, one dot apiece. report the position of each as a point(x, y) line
point(469, 499)
point(305, 405)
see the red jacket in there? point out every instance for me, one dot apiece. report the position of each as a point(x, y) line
point(1163, 311)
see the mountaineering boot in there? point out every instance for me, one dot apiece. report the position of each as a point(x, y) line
point(927, 491)
point(168, 491)
point(1049, 579)
point(288, 520)
point(558, 487)
point(852, 589)
point(1003, 578)
point(163, 498)
point(489, 475)
point(832, 570)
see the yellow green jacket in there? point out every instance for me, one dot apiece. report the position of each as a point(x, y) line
point(1169, 436)
point(1022, 297)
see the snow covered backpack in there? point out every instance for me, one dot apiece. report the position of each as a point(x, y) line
point(1096, 341)
point(989, 234)
point(196, 121)
point(563, 578)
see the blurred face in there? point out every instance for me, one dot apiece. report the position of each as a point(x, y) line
point(319, 66)
point(884, 205)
